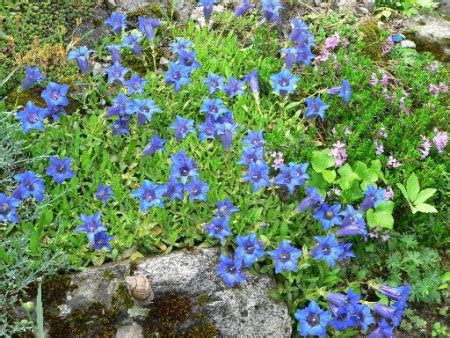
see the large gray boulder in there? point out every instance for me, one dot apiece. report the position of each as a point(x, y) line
point(190, 299)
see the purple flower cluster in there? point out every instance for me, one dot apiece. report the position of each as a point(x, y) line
point(253, 158)
point(179, 72)
point(93, 227)
point(339, 153)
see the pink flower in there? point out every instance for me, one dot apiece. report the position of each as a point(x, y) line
point(334, 191)
point(333, 41)
point(373, 79)
point(393, 162)
point(382, 133)
point(345, 42)
point(324, 55)
point(389, 193)
point(387, 46)
point(339, 153)
point(379, 147)
point(433, 66)
point(402, 105)
point(278, 159)
point(440, 140)
point(434, 89)
point(443, 87)
point(425, 147)
point(384, 79)
point(334, 131)
point(385, 237)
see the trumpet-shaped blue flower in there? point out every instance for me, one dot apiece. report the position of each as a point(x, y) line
point(346, 252)
point(116, 73)
point(155, 144)
point(214, 108)
point(328, 249)
point(32, 76)
point(181, 44)
point(120, 104)
point(55, 112)
point(189, 60)
point(29, 185)
point(315, 107)
point(249, 249)
point(290, 56)
point(81, 55)
point(117, 22)
point(394, 314)
point(243, 8)
point(8, 207)
point(252, 80)
point(183, 168)
point(219, 228)
point(104, 193)
point(225, 208)
point(135, 85)
point(300, 34)
point(207, 130)
point(399, 293)
point(373, 198)
point(345, 91)
point(229, 270)
point(312, 199)
point(145, 109)
point(115, 52)
point(147, 26)
point(292, 176)
point(342, 317)
point(286, 257)
point(197, 190)
point(31, 117)
point(207, 8)
point(304, 55)
point(91, 225)
point(254, 139)
point(214, 82)
point(284, 82)
point(257, 175)
point(150, 195)
point(60, 169)
point(271, 10)
point(55, 94)
point(363, 316)
point(173, 190)
point(313, 320)
point(234, 87)
point(182, 127)
point(101, 240)
point(226, 131)
point(178, 76)
point(121, 125)
point(383, 330)
point(132, 41)
point(328, 215)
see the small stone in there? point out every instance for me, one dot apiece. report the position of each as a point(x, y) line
point(407, 44)
point(132, 330)
point(98, 69)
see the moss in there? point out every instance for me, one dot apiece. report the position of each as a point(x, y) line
point(202, 299)
point(371, 35)
point(122, 299)
point(143, 64)
point(133, 266)
point(153, 10)
point(205, 329)
point(108, 275)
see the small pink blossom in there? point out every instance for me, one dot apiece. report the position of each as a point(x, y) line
point(443, 87)
point(434, 89)
point(339, 153)
point(402, 105)
point(333, 41)
point(389, 99)
point(387, 46)
point(393, 162)
point(425, 147)
point(334, 191)
point(334, 131)
point(440, 140)
point(373, 79)
point(324, 55)
point(385, 237)
point(345, 42)
point(382, 133)
point(278, 159)
point(385, 79)
point(433, 66)
point(379, 147)
point(389, 193)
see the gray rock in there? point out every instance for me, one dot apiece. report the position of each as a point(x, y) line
point(94, 30)
point(407, 44)
point(131, 5)
point(132, 330)
point(183, 8)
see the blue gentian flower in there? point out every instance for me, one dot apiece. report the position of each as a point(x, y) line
point(226, 131)
point(254, 139)
point(32, 76)
point(117, 21)
point(388, 312)
point(315, 107)
point(346, 252)
point(258, 175)
point(178, 76)
point(225, 208)
point(132, 41)
point(59, 169)
point(207, 130)
point(290, 56)
point(213, 107)
point(145, 109)
point(234, 87)
point(243, 8)
point(328, 249)
point(373, 198)
point(31, 117)
point(101, 240)
point(147, 26)
point(55, 94)
point(304, 55)
point(189, 60)
point(30, 185)
point(81, 55)
point(219, 228)
point(342, 317)
point(249, 249)
point(345, 91)
point(182, 127)
point(173, 190)
point(155, 144)
point(183, 167)
point(251, 155)
point(352, 229)
point(300, 34)
point(115, 52)
point(328, 215)
point(252, 80)
point(384, 329)
point(351, 215)
point(150, 195)
point(91, 225)
point(286, 257)
point(197, 190)
point(104, 193)
point(120, 126)
point(399, 293)
point(214, 82)
point(284, 82)
point(8, 207)
point(116, 73)
point(120, 104)
point(135, 85)
point(351, 299)
point(271, 9)
point(181, 44)
point(292, 176)
point(363, 316)
point(313, 320)
point(55, 112)
point(229, 270)
point(312, 199)
point(207, 8)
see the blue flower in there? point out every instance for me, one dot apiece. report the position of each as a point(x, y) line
point(352, 229)
point(120, 104)
point(32, 76)
point(234, 87)
point(328, 249)
point(399, 293)
point(207, 8)
point(300, 34)
point(383, 330)
point(147, 26)
point(181, 45)
point(271, 9)
point(173, 189)
point(346, 252)
point(207, 130)
point(388, 312)
point(242, 8)
point(31, 117)
point(226, 131)
point(363, 316)
point(284, 82)
point(116, 73)
point(312, 199)
point(155, 144)
point(55, 112)
point(55, 94)
point(249, 249)
point(342, 317)
point(145, 109)
point(290, 56)
point(213, 108)
point(214, 82)
point(104, 193)
point(345, 91)
point(189, 60)
point(254, 139)
point(183, 167)
point(292, 176)
point(252, 80)
point(81, 55)
point(197, 190)
point(225, 208)
point(117, 21)
point(219, 228)
point(315, 107)
point(304, 55)
point(91, 225)
point(8, 207)
point(135, 85)
point(373, 198)
point(229, 270)
point(328, 215)
point(120, 126)
point(59, 169)
point(258, 175)
point(30, 185)
point(132, 41)
point(313, 320)
point(286, 257)
point(182, 127)
point(251, 155)
point(150, 195)
point(177, 75)
point(101, 240)
point(351, 299)
point(115, 52)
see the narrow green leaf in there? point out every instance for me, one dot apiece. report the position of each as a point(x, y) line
point(412, 187)
point(403, 190)
point(424, 207)
point(424, 195)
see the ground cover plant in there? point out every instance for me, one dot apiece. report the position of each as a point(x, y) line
point(301, 148)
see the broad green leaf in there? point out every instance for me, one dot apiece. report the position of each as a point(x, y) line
point(403, 190)
point(387, 206)
point(424, 195)
point(353, 193)
point(322, 160)
point(368, 175)
point(412, 187)
point(380, 218)
point(329, 175)
point(424, 207)
point(318, 181)
point(347, 176)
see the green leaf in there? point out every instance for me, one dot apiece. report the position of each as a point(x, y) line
point(424, 195)
point(347, 176)
point(424, 207)
point(387, 206)
point(380, 218)
point(322, 160)
point(329, 175)
point(403, 190)
point(412, 187)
